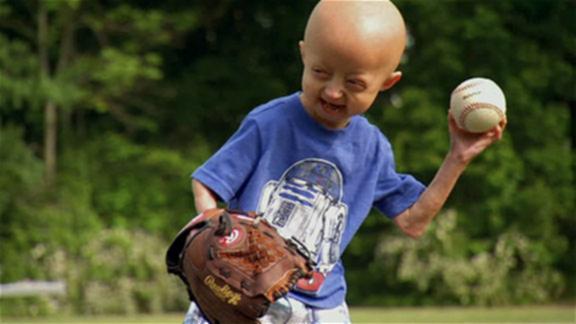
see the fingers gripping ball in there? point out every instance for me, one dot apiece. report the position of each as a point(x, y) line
point(235, 265)
point(478, 105)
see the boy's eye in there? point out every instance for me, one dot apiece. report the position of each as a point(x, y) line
point(319, 72)
point(356, 84)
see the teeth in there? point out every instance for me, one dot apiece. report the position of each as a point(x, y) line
point(330, 106)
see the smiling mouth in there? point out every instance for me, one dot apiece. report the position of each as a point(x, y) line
point(331, 108)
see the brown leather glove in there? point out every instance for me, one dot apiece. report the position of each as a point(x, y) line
point(235, 264)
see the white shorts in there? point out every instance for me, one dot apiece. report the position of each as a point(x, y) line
point(288, 311)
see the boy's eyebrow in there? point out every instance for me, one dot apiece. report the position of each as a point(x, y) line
point(359, 75)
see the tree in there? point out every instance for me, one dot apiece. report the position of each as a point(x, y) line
point(79, 55)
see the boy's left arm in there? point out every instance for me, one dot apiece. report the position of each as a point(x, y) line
point(464, 147)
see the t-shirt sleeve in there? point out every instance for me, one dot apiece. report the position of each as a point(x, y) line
point(395, 192)
point(227, 170)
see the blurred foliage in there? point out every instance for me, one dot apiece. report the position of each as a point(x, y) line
point(121, 273)
point(448, 266)
point(146, 90)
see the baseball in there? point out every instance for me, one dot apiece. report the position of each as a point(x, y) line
point(478, 105)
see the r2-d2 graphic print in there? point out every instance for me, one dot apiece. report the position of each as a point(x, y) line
point(306, 206)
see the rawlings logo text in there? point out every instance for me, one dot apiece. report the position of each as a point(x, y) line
point(224, 293)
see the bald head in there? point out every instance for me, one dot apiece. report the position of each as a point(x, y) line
point(374, 28)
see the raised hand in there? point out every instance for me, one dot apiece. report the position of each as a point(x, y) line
point(464, 146)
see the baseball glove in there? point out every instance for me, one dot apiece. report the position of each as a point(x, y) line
point(234, 265)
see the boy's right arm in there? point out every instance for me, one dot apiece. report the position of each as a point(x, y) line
point(204, 198)
point(464, 147)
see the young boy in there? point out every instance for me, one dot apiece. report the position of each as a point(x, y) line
point(315, 167)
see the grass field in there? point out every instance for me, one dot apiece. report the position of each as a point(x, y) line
point(526, 314)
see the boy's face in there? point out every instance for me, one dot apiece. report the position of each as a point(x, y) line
point(338, 84)
point(350, 52)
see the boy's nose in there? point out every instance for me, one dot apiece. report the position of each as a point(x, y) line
point(333, 91)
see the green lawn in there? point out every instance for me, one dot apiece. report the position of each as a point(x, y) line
point(525, 314)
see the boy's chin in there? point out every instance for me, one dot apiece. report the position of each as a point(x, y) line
point(331, 121)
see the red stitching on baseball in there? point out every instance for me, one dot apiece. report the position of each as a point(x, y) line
point(471, 107)
point(467, 86)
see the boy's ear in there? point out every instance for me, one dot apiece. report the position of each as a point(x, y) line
point(391, 81)
point(301, 47)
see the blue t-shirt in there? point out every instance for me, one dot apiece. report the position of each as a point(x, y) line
point(315, 185)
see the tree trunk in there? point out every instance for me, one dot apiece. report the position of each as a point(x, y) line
point(50, 141)
point(50, 110)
